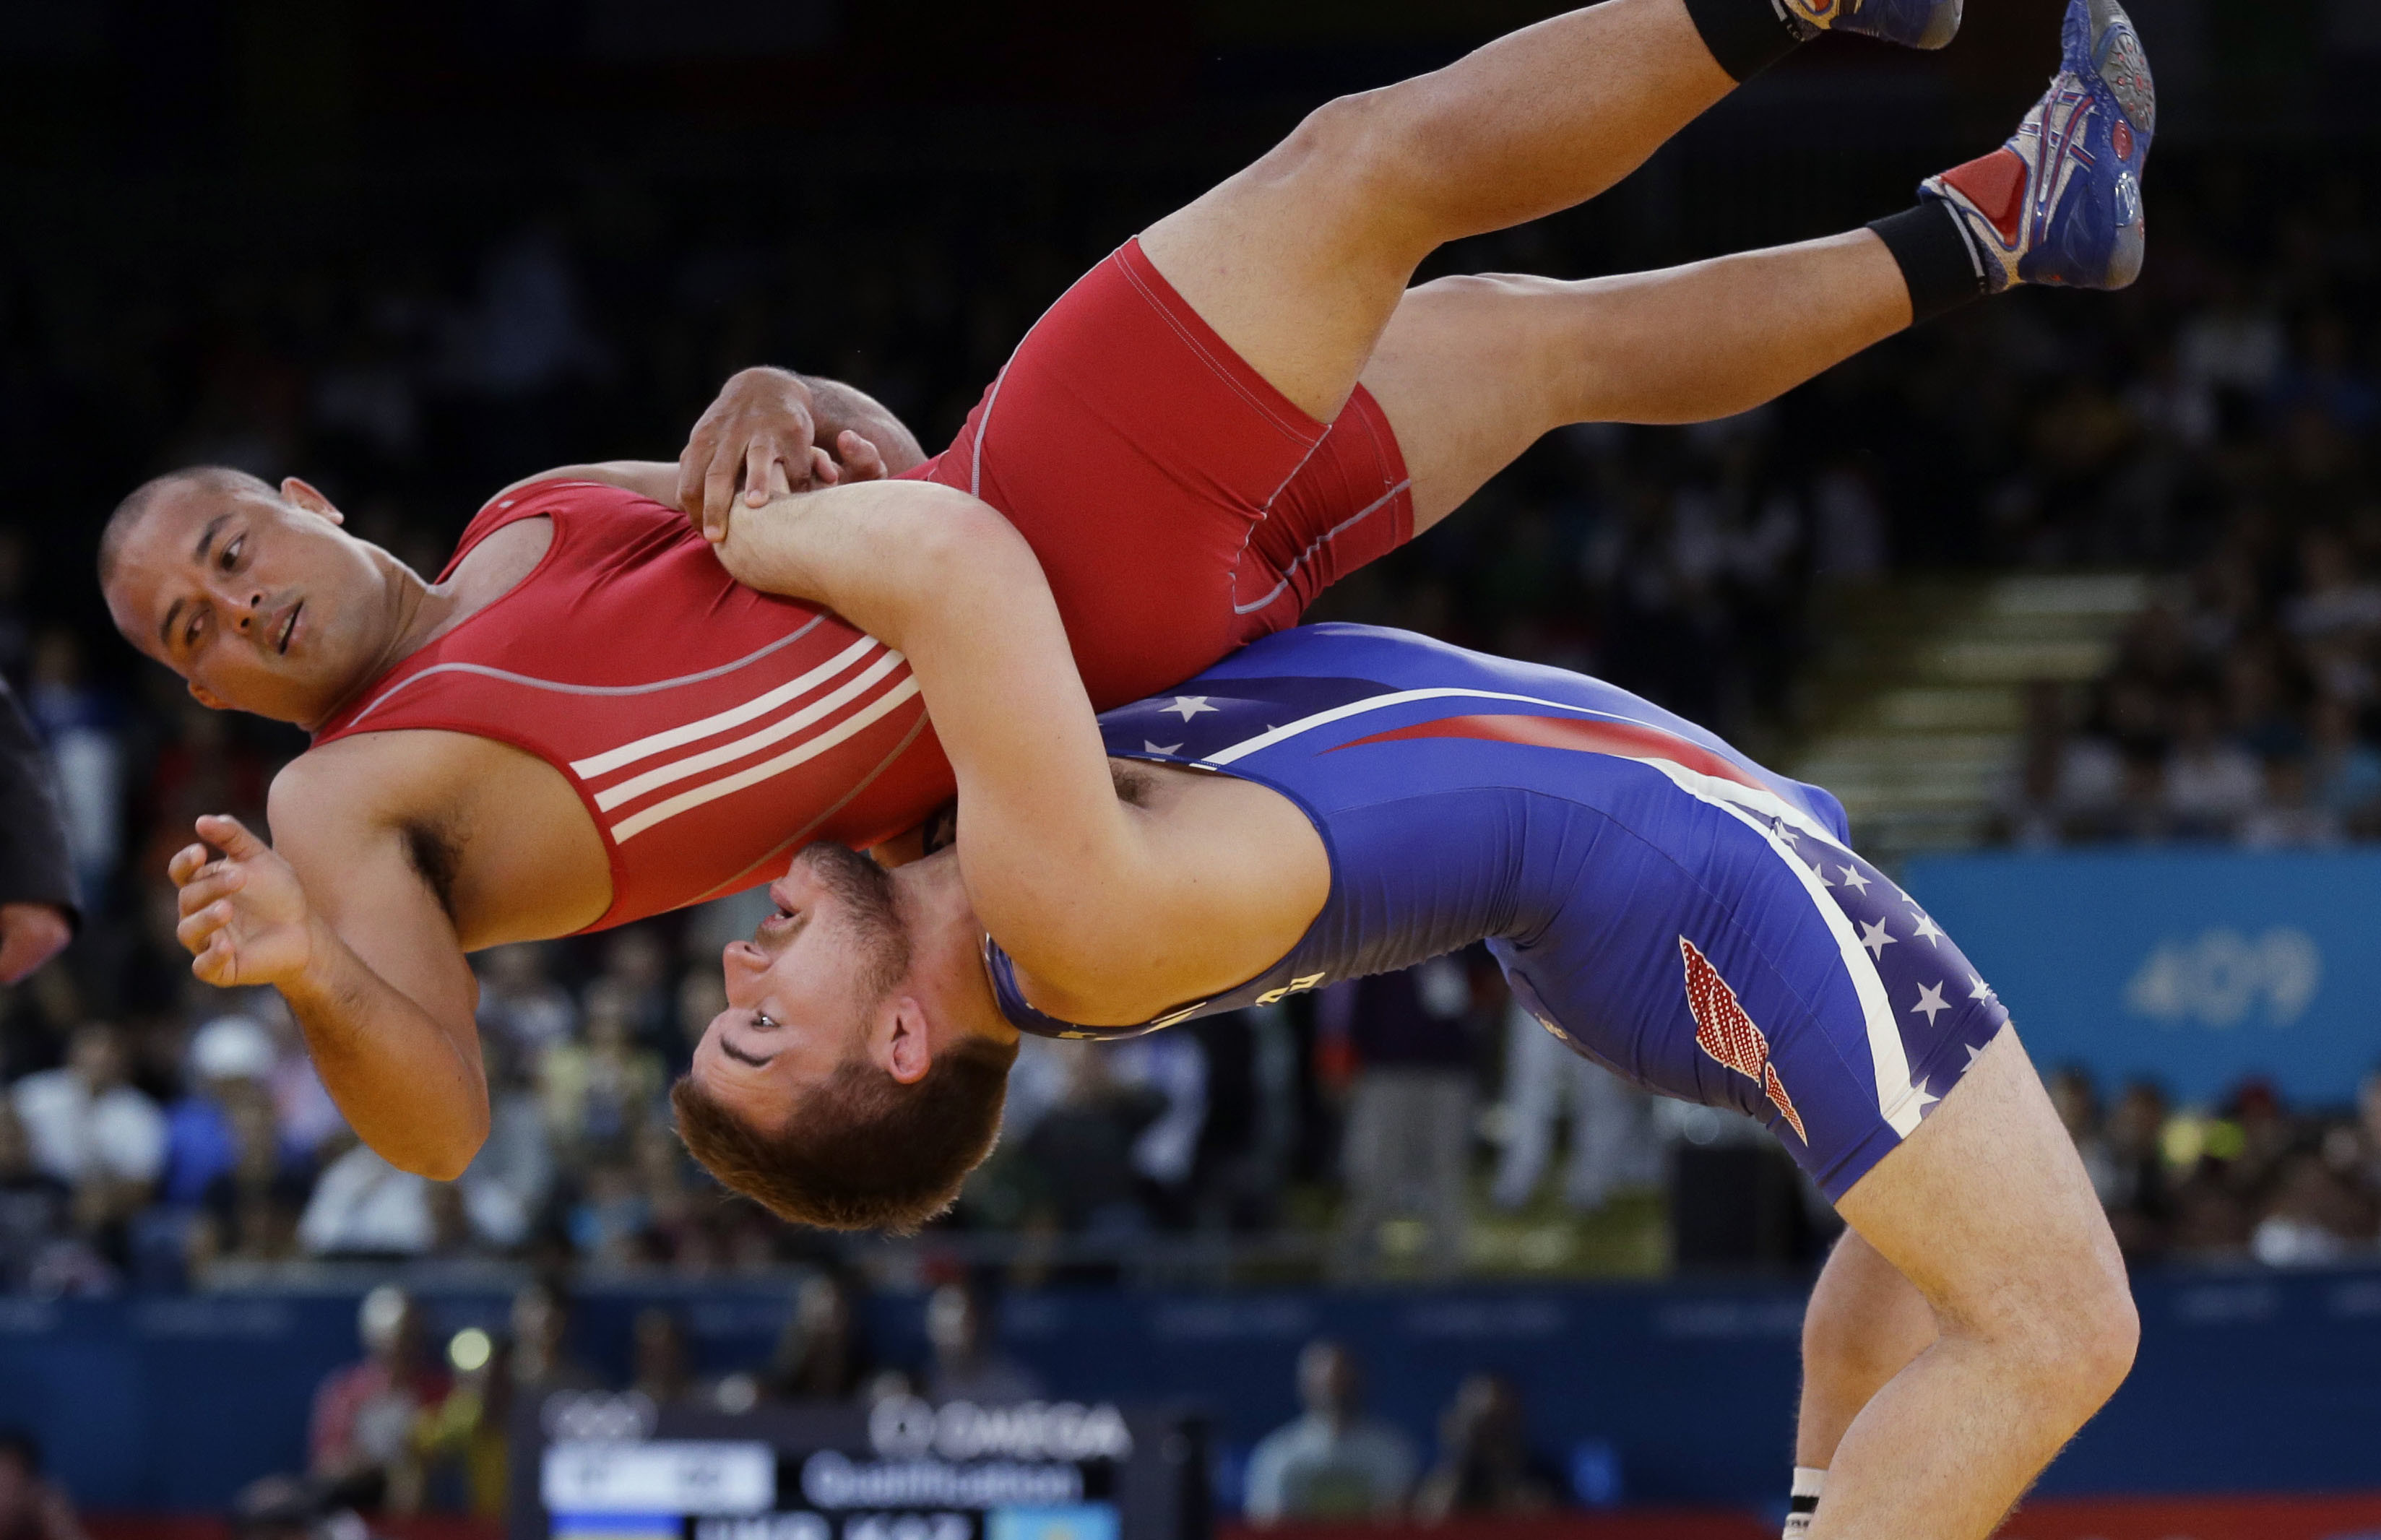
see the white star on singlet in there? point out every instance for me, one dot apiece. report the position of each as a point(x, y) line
point(1927, 930)
point(1931, 1003)
point(1149, 747)
point(1852, 878)
point(1877, 939)
point(1189, 706)
point(1982, 992)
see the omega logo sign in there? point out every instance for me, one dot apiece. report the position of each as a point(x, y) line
point(906, 1427)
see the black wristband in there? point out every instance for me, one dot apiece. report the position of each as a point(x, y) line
point(1937, 261)
point(1745, 36)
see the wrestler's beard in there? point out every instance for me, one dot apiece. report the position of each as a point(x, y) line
point(863, 892)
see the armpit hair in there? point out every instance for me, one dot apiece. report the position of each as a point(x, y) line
point(435, 851)
point(1133, 782)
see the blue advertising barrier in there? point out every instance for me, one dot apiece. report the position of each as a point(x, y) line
point(2253, 1382)
point(2194, 969)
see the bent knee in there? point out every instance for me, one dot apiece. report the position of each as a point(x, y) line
point(2073, 1335)
point(1348, 139)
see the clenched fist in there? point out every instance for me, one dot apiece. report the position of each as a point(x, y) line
point(245, 917)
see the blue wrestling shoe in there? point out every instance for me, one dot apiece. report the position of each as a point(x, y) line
point(1912, 23)
point(2061, 203)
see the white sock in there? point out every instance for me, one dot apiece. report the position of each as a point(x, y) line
point(1807, 1483)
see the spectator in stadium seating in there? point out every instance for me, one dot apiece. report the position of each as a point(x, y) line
point(364, 1414)
point(94, 1131)
point(519, 1007)
point(1407, 1151)
point(2314, 1217)
point(364, 1207)
point(1486, 1468)
point(2211, 782)
point(230, 1057)
point(32, 1205)
point(38, 894)
point(636, 973)
point(2345, 770)
point(542, 1359)
point(1079, 1151)
point(1613, 1144)
point(81, 724)
point(1172, 1067)
point(968, 1365)
point(249, 1210)
point(660, 1361)
point(2289, 818)
point(599, 1092)
point(2078, 1105)
point(2139, 1204)
point(822, 1355)
point(30, 1506)
point(1332, 1462)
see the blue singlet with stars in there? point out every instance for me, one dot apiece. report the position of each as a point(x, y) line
point(1693, 921)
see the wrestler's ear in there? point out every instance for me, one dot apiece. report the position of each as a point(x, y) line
point(301, 493)
point(208, 697)
point(903, 1046)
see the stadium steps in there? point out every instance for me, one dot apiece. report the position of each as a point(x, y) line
point(1919, 698)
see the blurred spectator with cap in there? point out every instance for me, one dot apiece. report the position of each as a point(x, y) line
point(967, 1365)
point(1334, 1462)
point(38, 894)
point(230, 1057)
point(31, 1507)
point(364, 1414)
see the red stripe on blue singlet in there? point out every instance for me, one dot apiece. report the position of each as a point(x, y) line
point(1626, 741)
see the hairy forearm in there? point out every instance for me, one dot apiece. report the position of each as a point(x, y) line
point(837, 408)
point(410, 1087)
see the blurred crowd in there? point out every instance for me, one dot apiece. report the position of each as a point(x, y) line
point(2210, 425)
point(2253, 1178)
point(417, 1423)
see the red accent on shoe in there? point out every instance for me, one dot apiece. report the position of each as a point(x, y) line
point(1996, 184)
point(2122, 136)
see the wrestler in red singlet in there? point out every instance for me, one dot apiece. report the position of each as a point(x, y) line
point(1181, 506)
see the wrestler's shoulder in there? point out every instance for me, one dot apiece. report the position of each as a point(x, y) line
point(393, 773)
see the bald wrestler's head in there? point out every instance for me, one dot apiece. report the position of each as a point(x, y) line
point(253, 594)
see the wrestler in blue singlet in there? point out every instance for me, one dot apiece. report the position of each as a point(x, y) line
point(1658, 902)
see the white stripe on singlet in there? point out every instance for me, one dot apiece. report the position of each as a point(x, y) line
point(783, 727)
point(638, 823)
point(644, 748)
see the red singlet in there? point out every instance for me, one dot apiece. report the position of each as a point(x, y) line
point(1179, 505)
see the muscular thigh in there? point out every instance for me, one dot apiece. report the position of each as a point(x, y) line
point(1727, 958)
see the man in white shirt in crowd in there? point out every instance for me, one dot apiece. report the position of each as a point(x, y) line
point(1334, 1462)
point(91, 1130)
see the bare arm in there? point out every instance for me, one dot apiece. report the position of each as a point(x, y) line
point(1119, 910)
point(340, 921)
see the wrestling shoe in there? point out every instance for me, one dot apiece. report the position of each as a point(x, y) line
point(1912, 23)
point(2061, 203)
